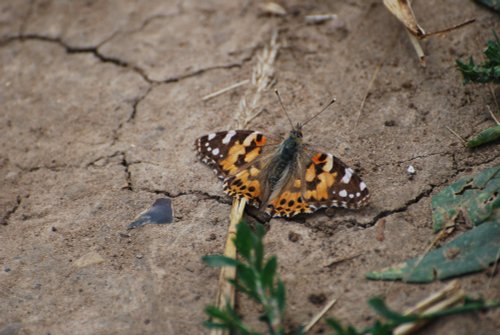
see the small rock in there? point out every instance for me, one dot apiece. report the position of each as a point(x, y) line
point(90, 258)
point(411, 171)
point(160, 213)
point(211, 237)
point(293, 236)
point(390, 123)
point(317, 299)
point(139, 256)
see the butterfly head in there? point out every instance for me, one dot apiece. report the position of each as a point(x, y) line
point(296, 132)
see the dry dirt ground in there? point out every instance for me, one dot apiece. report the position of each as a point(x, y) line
point(100, 106)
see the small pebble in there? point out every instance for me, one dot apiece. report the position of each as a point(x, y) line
point(211, 237)
point(293, 236)
point(139, 256)
point(317, 299)
point(411, 171)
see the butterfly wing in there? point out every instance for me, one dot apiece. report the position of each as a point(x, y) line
point(325, 182)
point(234, 155)
point(227, 151)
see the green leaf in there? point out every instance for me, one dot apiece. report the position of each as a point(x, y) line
point(219, 260)
point(269, 271)
point(246, 276)
point(476, 198)
point(258, 245)
point(337, 326)
point(486, 72)
point(281, 295)
point(472, 251)
point(243, 240)
point(486, 136)
point(214, 325)
point(216, 313)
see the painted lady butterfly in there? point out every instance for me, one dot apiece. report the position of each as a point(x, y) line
point(283, 179)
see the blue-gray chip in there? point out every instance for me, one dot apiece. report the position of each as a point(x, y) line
point(160, 213)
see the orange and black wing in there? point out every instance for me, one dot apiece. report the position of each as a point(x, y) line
point(325, 182)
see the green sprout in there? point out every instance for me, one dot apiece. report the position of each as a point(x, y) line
point(486, 72)
point(258, 279)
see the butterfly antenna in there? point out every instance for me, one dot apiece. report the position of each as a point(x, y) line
point(283, 107)
point(321, 111)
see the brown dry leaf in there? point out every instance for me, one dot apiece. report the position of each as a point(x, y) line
point(403, 11)
point(272, 8)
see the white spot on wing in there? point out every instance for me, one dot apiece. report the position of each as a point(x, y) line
point(362, 186)
point(211, 136)
point(347, 177)
point(351, 195)
point(228, 136)
point(343, 193)
point(215, 152)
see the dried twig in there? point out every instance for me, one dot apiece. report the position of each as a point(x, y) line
point(342, 259)
point(493, 95)
point(370, 84)
point(493, 115)
point(450, 295)
point(418, 49)
point(226, 292)
point(464, 142)
point(495, 267)
point(262, 79)
point(403, 11)
point(225, 89)
point(447, 30)
point(318, 316)
point(319, 18)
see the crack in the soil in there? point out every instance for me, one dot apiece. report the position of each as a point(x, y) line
point(238, 64)
point(128, 174)
point(121, 63)
point(133, 114)
point(445, 153)
point(5, 219)
point(75, 50)
point(386, 213)
point(426, 193)
point(54, 168)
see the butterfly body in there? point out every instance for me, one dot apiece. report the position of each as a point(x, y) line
point(286, 157)
point(284, 178)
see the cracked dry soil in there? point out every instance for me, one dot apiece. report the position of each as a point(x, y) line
point(100, 105)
